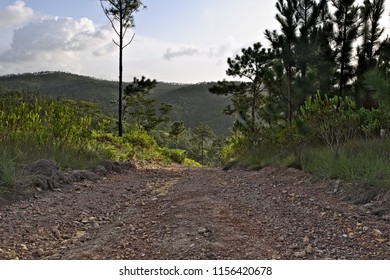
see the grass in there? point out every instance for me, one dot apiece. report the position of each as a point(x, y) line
point(363, 161)
point(135, 145)
point(266, 154)
point(9, 172)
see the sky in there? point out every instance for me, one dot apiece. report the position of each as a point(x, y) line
point(184, 41)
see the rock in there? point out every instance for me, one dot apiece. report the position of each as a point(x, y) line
point(85, 220)
point(381, 240)
point(40, 252)
point(309, 249)
point(300, 254)
point(306, 240)
point(79, 234)
point(377, 232)
point(95, 225)
point(204, 231)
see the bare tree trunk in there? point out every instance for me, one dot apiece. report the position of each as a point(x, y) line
point(120, 126)
point(289, 78)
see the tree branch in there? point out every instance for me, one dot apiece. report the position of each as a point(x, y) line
point(131, 40)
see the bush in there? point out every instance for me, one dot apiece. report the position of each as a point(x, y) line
point(236, 145)
point(138, 137)
point(174, 154)
point(332, 120)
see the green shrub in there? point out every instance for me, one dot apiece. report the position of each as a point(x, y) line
point(236, 145)
point(138, 137)
point(191, 162)
point(174, 154)
point(333, 120)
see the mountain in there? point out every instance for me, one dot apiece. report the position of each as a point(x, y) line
point(192, 103)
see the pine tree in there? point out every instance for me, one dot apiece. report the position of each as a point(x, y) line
point(346, 18)
point(177, 128)
point(324, 60)
point(368, 51)
point(248, 95)
point(284, 43)
point(140, 109)
point(121, 12)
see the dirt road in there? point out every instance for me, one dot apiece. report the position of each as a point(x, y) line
point(184, 213)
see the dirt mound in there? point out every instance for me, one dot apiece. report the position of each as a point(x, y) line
point(45, 175)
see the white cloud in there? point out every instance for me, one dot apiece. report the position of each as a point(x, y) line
point(182, 51)
point(57, 43)
point(15, 14)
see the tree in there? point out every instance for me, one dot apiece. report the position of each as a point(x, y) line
point(141, 109)
point(248, 95)
point(308, 17)
point(377, 81)
point(371, 13)
point(347, 26)
point(202, 137)
point(121, 12)
point(177, 128)
point(324, 60)
point(284, 43)
point(368, 52)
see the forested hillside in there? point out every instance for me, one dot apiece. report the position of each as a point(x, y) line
point(192, 103)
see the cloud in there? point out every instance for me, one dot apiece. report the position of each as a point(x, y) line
point(15, 14)
point(56, 44)
point(182, 51)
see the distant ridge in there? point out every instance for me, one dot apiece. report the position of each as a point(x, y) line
point(193, 103)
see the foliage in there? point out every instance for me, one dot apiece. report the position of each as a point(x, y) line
point(203, 137)
point(247, 97)
point(376, 82)
point(177, 128)
point(347, 30)
point(8, 172)
point(364, 161)
point(284, 43)
point(32, 128)
point(140, 109)
point(174, 154)
point(333, 120)
point(236, 145)
point(73, 133)
point(46, 122)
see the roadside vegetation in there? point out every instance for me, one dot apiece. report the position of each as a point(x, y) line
point(304, 103)
point(75, 134)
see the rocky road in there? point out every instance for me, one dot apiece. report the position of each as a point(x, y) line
point(194, 213)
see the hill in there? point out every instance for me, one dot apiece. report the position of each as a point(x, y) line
point(192, 103)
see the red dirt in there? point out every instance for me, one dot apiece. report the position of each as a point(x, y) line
point(193, 213)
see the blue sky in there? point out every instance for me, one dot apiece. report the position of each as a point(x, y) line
point(176, 40)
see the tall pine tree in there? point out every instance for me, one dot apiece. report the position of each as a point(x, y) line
point(346, 18)
point(284, 43)
point(368, 51)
